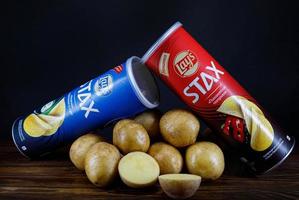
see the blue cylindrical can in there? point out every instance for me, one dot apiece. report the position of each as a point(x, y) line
point(121, 92)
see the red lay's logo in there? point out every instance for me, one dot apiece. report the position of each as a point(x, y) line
point(185, 63)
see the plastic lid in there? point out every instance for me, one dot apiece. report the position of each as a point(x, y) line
point(143, 82)
point(159, 41)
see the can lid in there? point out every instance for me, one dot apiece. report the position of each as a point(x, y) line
point(143, 82)
point(159, 41)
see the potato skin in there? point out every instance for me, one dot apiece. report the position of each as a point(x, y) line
point(150, 121)
point(179, 127)
point(179, 186)
point(168, 157)
point(80, 147)
point(206, 160)
point(101, 163)
point(130, 136)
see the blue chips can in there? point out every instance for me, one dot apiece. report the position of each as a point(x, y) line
point(121, 92)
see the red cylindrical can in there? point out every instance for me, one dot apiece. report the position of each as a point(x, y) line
point(206, 87)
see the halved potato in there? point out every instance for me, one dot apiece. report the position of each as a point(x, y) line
point(138, 169)
point(179, 186)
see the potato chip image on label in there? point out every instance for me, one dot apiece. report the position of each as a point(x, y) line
point(249, 110)
point(37, 125)
point(34, 126)
point(262, 134)
point(258, 126)
point(230, 106)
point(58, 109)
point(53, 121)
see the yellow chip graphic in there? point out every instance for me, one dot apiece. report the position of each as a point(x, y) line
point(37, 125)
point(263, 135)
point(255, 122)
point(231, 106)
point(249, 111)
point(59, 109)
point(251, 106)
point(248, 120)
point(34, 126)
point(260, 129)
point(53, 121)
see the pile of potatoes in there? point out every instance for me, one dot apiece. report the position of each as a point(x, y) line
point(149, 148)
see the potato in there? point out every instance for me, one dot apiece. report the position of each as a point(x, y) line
point(129, 136)
point(80, 147)
point(179, 127)
point(138, 169)
point(101, 163)
point(179, 186)
point(205, 159)
point(150, 121)
point(169, 158)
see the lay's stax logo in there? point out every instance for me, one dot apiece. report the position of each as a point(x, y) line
point(185, 63)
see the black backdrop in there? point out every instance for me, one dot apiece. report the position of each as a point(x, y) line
point(50, 47)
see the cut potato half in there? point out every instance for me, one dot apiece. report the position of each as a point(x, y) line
point(138, 169)
point(179, 186)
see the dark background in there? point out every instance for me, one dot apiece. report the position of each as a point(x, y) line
point(50, 47)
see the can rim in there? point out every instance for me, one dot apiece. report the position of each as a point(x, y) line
point(13, 138)
point(145, 101)
point(155, 46)
point(281, 161)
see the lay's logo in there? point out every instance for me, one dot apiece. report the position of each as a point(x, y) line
point(185, 63)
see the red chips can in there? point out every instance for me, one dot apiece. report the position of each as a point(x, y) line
point(211, 92)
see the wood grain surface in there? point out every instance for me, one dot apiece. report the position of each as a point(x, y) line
point(54, 177)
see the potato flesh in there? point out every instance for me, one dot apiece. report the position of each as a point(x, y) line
point(179, 186)
point(138, 169)
point(180, 177)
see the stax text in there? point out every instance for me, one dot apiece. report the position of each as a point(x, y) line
point(203, 83)
point(84, 95)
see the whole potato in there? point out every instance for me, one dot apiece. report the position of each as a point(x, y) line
point(101, 163)
point(129, 136)
point(205, 159)
point(179, 127)
point(80, 147)
point(150, 121)
point(169, 158)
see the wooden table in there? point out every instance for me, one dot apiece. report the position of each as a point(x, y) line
point(54, 177)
